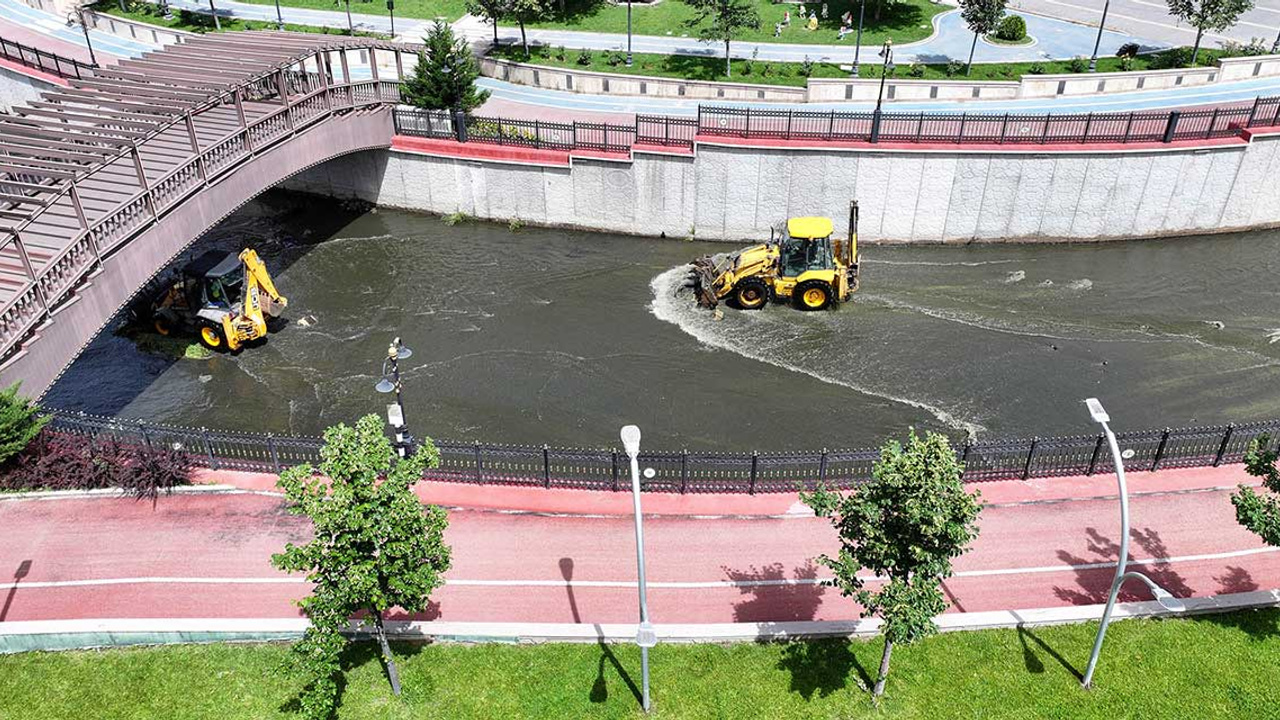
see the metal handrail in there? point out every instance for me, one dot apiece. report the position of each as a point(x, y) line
point(58, 60)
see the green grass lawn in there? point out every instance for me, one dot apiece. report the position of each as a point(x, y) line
point(778, 73)
point(198, 22)
point(904, 21)
point(1210, 667)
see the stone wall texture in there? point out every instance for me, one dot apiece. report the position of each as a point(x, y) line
point(732, 193)
point(18, 89)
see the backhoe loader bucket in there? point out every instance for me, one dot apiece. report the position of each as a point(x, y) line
point(702, 277)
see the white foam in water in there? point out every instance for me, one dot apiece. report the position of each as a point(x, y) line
point(1016, 276)
point(932, 263)
point(672, 305)
point(1081, 284)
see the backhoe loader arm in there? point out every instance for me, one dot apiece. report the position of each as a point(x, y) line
point(255, 273)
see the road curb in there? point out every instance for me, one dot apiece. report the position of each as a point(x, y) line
point(44, 635)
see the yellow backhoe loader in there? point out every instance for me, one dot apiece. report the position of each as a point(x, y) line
point(802, 263)
point(226, 299)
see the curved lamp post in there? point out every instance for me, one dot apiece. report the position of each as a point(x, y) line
point(857, 49)
point(645, 636)
point(390, 382)
point(886, 52)
point(1093, 61)
point(77, 16)
point(1164, 597)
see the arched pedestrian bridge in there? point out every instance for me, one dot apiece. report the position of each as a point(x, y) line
point(102, 183)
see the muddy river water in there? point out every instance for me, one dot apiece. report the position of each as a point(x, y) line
point(559, 337)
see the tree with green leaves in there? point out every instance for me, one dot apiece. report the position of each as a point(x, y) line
point(445, 76)
point(1208, 15)
point(375, 547)
point(527, 11)
point(983, 18)
point(720, 21)
point(905, 526)
point(1260, 513)
point(20, 423)
point(492, 10)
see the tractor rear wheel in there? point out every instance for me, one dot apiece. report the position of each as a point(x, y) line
point(813, 295)
point(751, 294)
point(161, 325)
point(211, 337)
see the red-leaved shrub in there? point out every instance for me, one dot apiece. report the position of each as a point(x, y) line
point(59, 461)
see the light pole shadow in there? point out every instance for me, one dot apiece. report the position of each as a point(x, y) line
point(599, 688)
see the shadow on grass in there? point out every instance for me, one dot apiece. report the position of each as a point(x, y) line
point(821, 667)
point(1031, 660)
point(356, 655)
point(1260, 625)
point(600, 687)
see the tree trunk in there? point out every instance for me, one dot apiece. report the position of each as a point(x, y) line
point(495, 31)
point(969, 67)
point(524, 40)
point(728, 60)
point(884, 668)
point(392, 673)
point(1195, 52)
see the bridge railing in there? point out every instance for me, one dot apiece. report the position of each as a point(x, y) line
point(44, 61)
point(834, 126)
point(83, 255)
point(687, 471)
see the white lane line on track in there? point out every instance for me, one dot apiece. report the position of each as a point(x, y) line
point(694, 585)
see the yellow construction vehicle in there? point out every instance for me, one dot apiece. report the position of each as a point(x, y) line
point(226, 299)
point(802, 262)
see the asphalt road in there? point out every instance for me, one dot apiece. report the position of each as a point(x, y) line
point(207, 556)
point(1151, 19)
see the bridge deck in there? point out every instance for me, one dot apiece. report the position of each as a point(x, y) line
point(87, 167)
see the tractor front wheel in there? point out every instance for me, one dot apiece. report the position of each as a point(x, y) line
point(751, 294)
point(211, 337)
point(813, 295)
point(161, 325)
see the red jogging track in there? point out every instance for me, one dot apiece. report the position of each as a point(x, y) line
point(1044, 543)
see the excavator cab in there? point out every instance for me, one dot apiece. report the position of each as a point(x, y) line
point(225, 298)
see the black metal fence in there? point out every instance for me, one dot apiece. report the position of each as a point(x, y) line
point(752, 123)
point(697, 472)
point(44, 61)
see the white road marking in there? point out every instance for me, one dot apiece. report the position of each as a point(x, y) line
point(693, 585)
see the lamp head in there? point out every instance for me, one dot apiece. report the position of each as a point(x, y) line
point(1096, 411)
point(396, 351)
point(385, 386)
point(1167, 600)
point(631, 440)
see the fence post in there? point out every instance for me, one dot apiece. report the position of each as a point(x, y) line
point(1222, 448)
point(822, 468)
point(208, 448)
point(537, 134)
point(271, 446)
point(1128, 127)
point(615, 452)
point(460, 126)
point(875, 126)
point(755, 466)
point(1164, 440)
point(1253, 111)
point(1172, 126)
point(1048, 120)
point(479, 467)
point(1004, 127)
point(1088, 123)
point(831, 125)
point(546, 466)
point(964, 116)
point(1097, 449)
point(789, 114)
point(146, 437)
point(684, 469)
point(1031, 451)
point(746, 132)
point(1208, 133)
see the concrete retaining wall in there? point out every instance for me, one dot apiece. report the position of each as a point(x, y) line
point(19, 89)
point(924, 196)
point(819, 90)
point(134, 30)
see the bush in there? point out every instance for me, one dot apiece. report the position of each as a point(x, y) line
point(584, 57)
point(1126, 63)
point(1255, 46)
point(561, 53)
point(20, 423)
point(916, 70)
point(1128, 50)
point(954, 67)
point(806, 67)
point(1012, 29)
point(1078, 64)
point(616, 58)
point(1037, 68)
point(1173, 58)
point(60, 461)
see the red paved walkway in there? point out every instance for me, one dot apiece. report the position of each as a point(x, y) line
point(1034, 551)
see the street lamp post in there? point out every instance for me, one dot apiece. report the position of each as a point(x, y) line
point(1166, 600)
point(645, 635)
point(1093, 61)
point(390, 382)
point(887, 53)
point(628, 33)
point(857, 50)
point(1275, 46)
point(391, 9)
point(279, 17)
point(78, 14)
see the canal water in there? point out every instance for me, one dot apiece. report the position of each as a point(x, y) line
point(560, 337)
